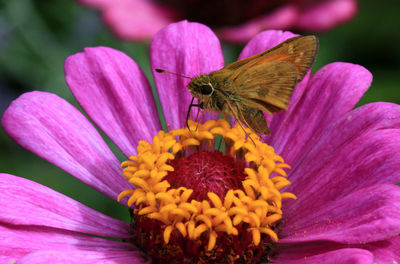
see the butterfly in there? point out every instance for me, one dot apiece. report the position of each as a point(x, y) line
point(261, 83)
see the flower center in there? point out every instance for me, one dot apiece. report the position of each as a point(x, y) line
point(207, 171)
point(197, 205)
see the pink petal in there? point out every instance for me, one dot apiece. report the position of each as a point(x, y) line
point(326, 14)
point(332, 91)
point(370, 159)
point(85, 257)
point(346, 255)
point(281, 18)
point(382, 252)
point(367, 215)
point(136, 20)
point(55, 130)
point(52, 209)
point(387, 251)
point(342, 132)
point(300, 255)
point(115, 93)
point(185, 48)
point(265, 40)
point(18, 241)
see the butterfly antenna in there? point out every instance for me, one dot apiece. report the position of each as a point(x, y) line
point(177, 74)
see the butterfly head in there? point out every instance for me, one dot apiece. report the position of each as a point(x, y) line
point(201, 86)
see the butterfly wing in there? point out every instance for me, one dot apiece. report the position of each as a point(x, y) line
point(265, 82)
point(251, 117)
point(267, 86)
point(299, 51)
point(255, 119)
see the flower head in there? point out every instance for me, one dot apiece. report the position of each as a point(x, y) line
point(235, 21)
point(344, 164)
point(195, 204)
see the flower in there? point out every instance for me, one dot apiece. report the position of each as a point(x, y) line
point(234, 21)
point(344, 162)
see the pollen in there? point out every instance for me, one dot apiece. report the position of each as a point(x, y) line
point(226, 197)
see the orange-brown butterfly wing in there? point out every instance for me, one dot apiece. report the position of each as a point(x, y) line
point(267, 86)
point(266, 81)
point(251, 117)
point(254, 119)
point(299, 51)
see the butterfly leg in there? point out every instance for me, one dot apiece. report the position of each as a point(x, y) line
point(239, 117)
point(201, 105)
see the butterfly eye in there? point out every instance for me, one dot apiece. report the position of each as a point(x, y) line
point(206, 89)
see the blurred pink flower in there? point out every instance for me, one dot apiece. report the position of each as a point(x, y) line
point(345, 162)
point(234, 21)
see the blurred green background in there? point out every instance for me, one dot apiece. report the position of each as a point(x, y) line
point(37, 36)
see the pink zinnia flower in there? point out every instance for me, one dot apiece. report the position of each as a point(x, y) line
point(235, 21)
point(344, 162)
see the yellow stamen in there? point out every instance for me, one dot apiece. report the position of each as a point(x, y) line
point(167, 233)
point(257, 204)
point(181, 227)
point(212, 240)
